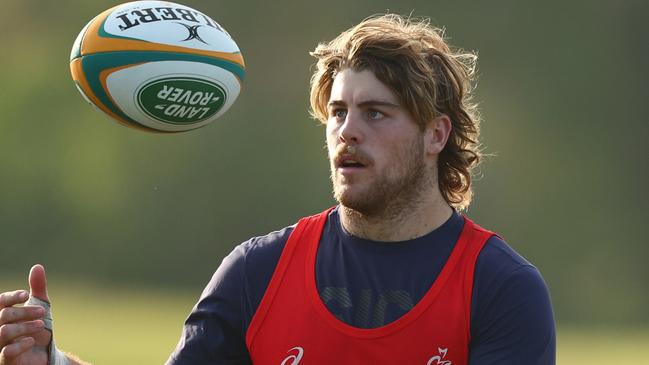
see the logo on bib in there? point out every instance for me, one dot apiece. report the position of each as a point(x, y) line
point(439, 358)
point(295, 356)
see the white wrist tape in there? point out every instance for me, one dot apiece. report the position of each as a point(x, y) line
point(56, 357)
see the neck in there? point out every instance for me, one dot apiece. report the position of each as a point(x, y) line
point(395, 224)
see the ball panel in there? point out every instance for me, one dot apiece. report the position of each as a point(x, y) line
point(95, 44)
point(88, 95)
point(81, 81)
point(167, 23)
point(91, 29)
point(76, 47)
point(173, 95)
point(99, 67)
point(103, 33)
point(96, 40)
point(94, 63)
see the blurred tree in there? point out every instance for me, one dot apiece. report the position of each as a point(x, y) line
point(562, 85)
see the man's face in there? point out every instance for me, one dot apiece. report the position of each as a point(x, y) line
point(376, 150)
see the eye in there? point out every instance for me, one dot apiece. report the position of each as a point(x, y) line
point(374, 114)
point(338, 114)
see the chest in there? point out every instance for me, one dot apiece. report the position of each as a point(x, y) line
point(368, 286)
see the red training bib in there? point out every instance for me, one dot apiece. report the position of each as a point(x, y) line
point(292, 325)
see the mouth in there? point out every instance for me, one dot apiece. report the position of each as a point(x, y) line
point(350, 162)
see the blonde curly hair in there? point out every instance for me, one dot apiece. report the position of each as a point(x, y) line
point(415, 62)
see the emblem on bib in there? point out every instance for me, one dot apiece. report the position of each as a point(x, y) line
point(439, 358)
point(294, 357)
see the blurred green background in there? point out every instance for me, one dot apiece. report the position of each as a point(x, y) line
point(118, 215)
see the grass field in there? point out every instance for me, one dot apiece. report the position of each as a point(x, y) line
point(110, 325)
point(602, 346)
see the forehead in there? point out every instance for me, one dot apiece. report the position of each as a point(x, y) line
point(355, 87)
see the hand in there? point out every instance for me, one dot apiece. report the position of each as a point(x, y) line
point(23, 337)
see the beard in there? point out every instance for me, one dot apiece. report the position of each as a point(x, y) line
point(391, 191)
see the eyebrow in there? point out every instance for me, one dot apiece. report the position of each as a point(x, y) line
point(364, 104)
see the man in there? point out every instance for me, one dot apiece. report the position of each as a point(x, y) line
point(393, 274)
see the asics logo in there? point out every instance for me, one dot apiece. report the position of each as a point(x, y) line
point(439, 358)
point(295, 356)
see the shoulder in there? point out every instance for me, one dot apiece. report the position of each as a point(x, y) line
point(214, 331)
point(239, 283)
point(498, 261)
point(253, 257)
point(260, 247)
point(502, 276)
point(511, 309)
point(500, 270)
point(259, 253)
point(258, 257)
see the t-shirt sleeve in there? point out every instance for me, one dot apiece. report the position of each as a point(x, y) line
point(512, 319)
point(212, 332)
point(215, 330)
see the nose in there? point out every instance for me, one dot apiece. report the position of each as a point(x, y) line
point(351, 131)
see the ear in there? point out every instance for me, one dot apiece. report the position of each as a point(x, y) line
point(436, 134)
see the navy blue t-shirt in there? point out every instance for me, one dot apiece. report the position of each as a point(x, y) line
point(368, 284)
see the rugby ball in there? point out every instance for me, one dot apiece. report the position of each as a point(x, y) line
point(157, 66)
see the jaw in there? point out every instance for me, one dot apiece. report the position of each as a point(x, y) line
point(360, 194)
point(376, 193)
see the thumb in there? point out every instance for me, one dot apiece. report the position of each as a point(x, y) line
point(38, 283)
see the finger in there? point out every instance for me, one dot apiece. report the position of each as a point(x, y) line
point(11, 298)
point(18, 347)
point(20, 314)
point(10, 332)
point(38, 283)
